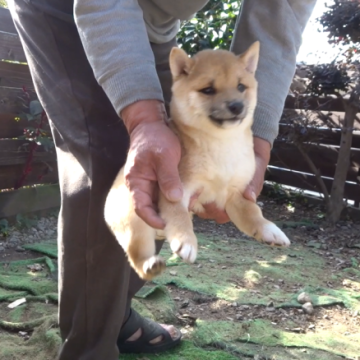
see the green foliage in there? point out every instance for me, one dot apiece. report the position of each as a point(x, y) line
point(40, 134)
point(3, 3)
point(354, 262)
point(25, 221)
point(329, 79)
point(4, 227)
point(211, 28)
point(342, 22)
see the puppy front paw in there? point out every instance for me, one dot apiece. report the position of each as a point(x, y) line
point(270, 234)
point(185, 246)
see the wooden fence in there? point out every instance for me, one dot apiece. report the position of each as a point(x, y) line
point(15, 86)
point(287, 166)
point(323, 153)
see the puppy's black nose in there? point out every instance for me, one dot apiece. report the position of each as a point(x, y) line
point(236, 107)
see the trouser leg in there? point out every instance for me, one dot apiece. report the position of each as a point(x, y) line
point(95, 280)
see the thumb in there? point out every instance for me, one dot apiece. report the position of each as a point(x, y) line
point(169, 181)
point(250, 193)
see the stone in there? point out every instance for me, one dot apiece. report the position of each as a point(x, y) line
point(303, 298)
point(13, 239)
point(41, 226)
point(185, 304)
point(35, 267)
point(308, 308)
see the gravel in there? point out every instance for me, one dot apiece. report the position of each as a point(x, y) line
point(43, 229)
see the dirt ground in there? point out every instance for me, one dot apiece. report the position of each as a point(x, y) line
point(191, 307)
point(339, 246)
point(306, 224)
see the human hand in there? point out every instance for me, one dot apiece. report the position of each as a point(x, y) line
point(153, 159)
point(262, 157)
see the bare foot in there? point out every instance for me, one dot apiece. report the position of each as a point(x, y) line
point(169, 328)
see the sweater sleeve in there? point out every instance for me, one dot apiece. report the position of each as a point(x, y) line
point(278, 25)
point(115, 40)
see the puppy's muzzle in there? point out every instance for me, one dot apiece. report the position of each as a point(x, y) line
point(234, 112)
point(235, 107)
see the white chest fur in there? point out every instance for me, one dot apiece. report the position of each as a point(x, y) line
point(218, 166)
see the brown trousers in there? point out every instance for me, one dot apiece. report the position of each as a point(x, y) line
point(96, 283)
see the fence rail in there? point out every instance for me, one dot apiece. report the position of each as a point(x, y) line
point(287, 165)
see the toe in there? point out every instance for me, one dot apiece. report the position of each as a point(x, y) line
point(170, 329)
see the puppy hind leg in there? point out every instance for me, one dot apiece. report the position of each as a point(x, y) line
point(248, 218)
point(141, 250)
point(135, 237)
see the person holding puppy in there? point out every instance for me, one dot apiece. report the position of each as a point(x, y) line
point(94, 62)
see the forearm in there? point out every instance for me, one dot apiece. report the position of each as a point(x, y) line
point(115, 40)
point(278, 25)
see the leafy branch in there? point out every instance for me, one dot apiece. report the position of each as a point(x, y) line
point(38, 135)
point(211, 28)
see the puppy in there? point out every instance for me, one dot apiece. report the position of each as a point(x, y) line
point(214, 98)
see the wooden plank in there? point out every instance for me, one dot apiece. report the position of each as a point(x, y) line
point(10, 128)
point(332, 119)
point(15, 152)
point(324, 158)
point(12, 100)
point(15, 75)
point(352, 212)
point(6, 22)
point(12, 145)
point(11, 48)
point(42, 173)
point(314, 103)
point(28, 200)
point(322, 135)
point(308, 182)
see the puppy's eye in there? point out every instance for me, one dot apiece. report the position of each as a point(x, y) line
point(241, 87)
point(208, 90)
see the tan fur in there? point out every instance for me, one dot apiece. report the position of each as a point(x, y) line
point(217, 159)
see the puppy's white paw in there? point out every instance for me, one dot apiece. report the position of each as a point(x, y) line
point(272, 235)
point(188, 253)
point(187, 250)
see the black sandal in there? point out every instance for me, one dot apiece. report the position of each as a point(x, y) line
point(150, 330)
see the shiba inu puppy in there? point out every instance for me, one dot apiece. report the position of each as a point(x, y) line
point(214, 98)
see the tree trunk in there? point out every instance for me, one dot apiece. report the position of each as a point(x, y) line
point(316, 171)
point(336, 204)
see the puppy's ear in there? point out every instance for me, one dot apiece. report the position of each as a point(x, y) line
point(251, 57)
point(180, 63)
